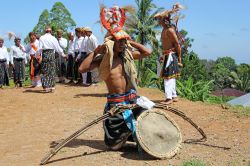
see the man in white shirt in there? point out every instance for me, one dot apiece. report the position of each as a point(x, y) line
point(4, 64)
point(31, 49)
point(70, 64)
point(77, 46)
point(48, 45)
point(18, 59)
point(83, 55)
point(60, 61)
point(91, 45)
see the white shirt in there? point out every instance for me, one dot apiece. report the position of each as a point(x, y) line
point(83, 47)
point(17, 52)
point(4, 54)
point(63, 42)
point(71, 47)
point(30, 50)
point(78, 43)
point(92, 44)
point(47, 41)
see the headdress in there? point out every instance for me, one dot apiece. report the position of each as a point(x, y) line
point(168, 14)
point(113, 19)
point(87, 29)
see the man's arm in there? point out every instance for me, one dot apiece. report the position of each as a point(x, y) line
point(88, 63)
point(174, 39)
point(141, 52)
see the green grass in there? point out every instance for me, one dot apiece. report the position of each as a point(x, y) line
point(193, 163)
point(240, 110)
point(219, 100)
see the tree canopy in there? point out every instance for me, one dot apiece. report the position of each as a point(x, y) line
point(58, 18)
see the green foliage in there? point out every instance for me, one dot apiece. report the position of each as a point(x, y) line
point(193, 67)
point(141, 25)
point(193, 163)
point(58, 18)
point(194, 91)
point(221, 75)
point(227, 62)
point(219, 100)
point(40, 26)
point(148, 78)
point(241, 78)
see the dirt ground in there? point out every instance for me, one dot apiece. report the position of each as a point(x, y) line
point(31, 120)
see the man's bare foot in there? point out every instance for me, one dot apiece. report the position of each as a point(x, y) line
point(167, 101)
point(175, 99)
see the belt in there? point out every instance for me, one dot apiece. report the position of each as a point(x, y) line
point(18, 59)
point(2, 60)
point(120, 99)
point(166, 52)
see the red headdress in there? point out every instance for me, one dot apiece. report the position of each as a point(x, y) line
point(113, 19)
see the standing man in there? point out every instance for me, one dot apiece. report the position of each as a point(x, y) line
point(61, 61)
point(115, 61)
point(4, 64)
point(77, 45)
point(83, 55)
point(91, 45)
point(31, 49)
point(48, 45)
point(70, 64)
point(18, 60)
point(171, 53)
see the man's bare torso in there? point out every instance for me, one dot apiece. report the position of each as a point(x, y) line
point(116, 81)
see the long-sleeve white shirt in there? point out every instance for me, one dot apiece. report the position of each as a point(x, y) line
point(17, 52)
point(63, 42)
point(71, 47)
point(47, 41)
point(83, 47)
point(4, 54)
point(92, 44)
point(78, 43)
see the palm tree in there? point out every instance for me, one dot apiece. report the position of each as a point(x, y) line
point(142, 26)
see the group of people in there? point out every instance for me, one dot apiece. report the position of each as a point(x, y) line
point(112, 62)
point(51, 59)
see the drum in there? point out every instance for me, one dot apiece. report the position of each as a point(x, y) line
point(158, 134)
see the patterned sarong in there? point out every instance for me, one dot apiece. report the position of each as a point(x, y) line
point(19, 70)
point(120, 127)
point(4, 75)
point(170, 68)
point(48, 69)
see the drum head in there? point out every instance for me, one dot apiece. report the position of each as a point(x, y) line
point(158, 134)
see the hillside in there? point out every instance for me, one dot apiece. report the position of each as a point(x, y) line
point(30, 121)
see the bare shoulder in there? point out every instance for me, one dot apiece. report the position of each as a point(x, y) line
point(100, 49)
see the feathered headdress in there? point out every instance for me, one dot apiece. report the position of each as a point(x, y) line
point(167, 14)
point(113, 19)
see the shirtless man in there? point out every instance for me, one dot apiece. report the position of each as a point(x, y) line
point(171, 57)
point(121, 89)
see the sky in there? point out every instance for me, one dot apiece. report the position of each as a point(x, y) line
point(219, 27)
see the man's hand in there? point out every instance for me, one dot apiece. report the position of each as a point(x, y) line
point(180, 64)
